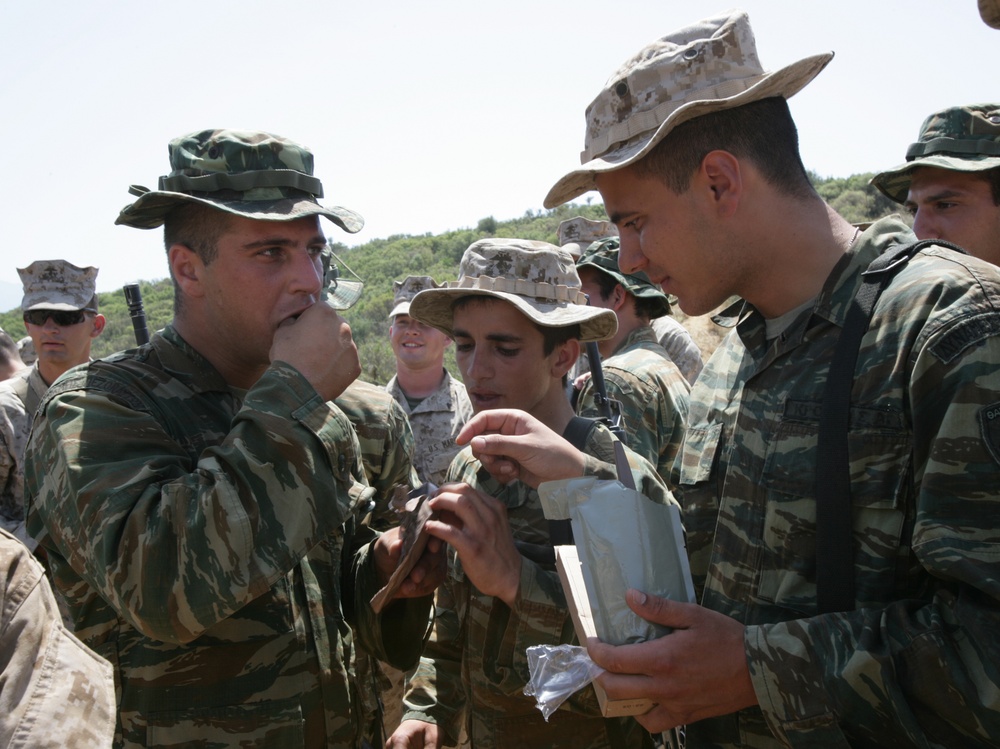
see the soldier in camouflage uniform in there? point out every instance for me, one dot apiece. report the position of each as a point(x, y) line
point(60, 314)
point(950, 182)
point(638, 373)
point(10, 358)
point(54, 692)
point(200, 497)
point(517, 316)
point(694, 151)
point(576, 235)
point(434, 401)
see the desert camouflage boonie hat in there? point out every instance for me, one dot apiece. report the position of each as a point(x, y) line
point(58, 285)
point(604, 257)
point(704, 68)
point(404, 291)
point(962, 139)
point(990, 11)
point(246, 173)
point(578, 233)
point(538, 278)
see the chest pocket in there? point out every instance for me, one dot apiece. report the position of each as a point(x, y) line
point(879, 452)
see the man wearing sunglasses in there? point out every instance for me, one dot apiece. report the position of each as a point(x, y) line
point(60, 314)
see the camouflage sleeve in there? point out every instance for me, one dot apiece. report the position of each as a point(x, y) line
point(434, 692)
point(653, 412)
point(927, 670)
point(120, 497)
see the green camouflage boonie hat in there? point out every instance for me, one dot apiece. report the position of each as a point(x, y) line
point(58, 285)
point(404, 291)
point(704, 68)
point(962, 139)
point(604, 257)
point(538, 278)
point(578, 233)
point(251, 174)
point(990, 11)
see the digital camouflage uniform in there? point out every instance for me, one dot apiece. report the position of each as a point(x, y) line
point(19, 397)
point(436, 422)
point(48, 285)
point(54, 692)
point(475, 660)
point(679, 345)
point(226, 617)
point(916, 663)
point(653, 397)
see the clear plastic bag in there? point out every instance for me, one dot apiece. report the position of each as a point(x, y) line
point(557, 671)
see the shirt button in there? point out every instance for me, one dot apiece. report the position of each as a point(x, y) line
point(341, 462)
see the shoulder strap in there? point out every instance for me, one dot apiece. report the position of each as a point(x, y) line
point(834, 543)
point(577, 432)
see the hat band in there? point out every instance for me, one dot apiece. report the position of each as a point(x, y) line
point(521, 287)
point(953, 145)
point(243, 181)
point(650, 119)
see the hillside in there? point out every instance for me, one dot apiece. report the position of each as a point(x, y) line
point(381, 261)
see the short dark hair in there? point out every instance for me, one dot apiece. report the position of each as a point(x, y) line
point(8, 349)
point(761, 132)
point(992, 177)
point(644, 307)
point(195, 226)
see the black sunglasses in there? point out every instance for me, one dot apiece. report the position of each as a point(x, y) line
point(61, 318)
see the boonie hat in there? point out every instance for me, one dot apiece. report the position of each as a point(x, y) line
point(604, 257)
point(962, 139)
point(251, 174)
point(990, 11)
point(404, 291)
point(577, 233)
point(58, 285)
point(704, 68)
point(536, 277)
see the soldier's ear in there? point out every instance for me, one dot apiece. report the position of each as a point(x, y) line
point(186, 268)
point(566, 354)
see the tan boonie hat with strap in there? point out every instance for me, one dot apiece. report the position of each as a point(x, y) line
point(536, 277)
point(246, 173)
point(58, 285)
point(703, 68)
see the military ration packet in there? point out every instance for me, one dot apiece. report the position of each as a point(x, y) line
point(623, 541)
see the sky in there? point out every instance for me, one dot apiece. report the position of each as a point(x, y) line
point(423, 116)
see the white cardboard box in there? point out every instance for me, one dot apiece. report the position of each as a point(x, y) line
point(571, 576)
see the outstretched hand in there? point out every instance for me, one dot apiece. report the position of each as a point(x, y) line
point(697, 671)
point(512, 445)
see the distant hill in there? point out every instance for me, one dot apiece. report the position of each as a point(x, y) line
point(381, 261)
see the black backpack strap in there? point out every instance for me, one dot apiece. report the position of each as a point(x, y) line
point(834, 543)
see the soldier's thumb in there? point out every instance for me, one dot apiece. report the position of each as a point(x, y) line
point(655, 609)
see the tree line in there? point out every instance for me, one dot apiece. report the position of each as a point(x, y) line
point(381, 261)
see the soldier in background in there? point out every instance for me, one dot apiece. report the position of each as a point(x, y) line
point(60, 314)
point(576, 235)
point(694, 151)
point(638, 372)
point(436, 404)
point(26, 348)
point(950, 181)
point(201, 497)
point(10, 358)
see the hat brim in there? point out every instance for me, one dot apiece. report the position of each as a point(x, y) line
point(434, 307)
point(785, 82)
point(403, 308)
point(151, 209)
point(895, 183)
